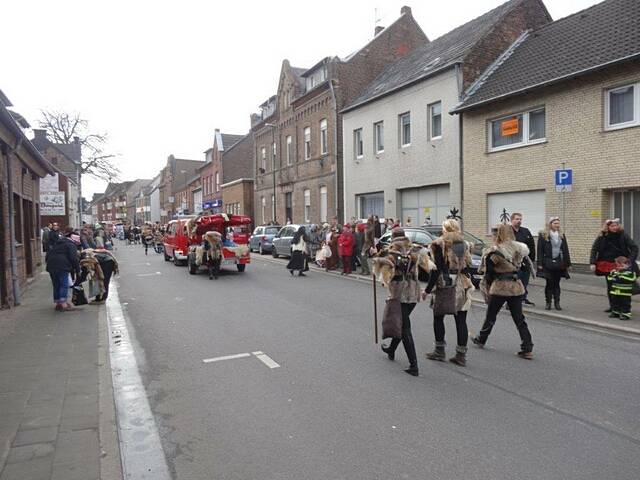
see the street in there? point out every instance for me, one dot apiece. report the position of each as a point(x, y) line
point(330, 405)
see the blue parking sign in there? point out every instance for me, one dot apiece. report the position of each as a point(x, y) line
point(564, 177)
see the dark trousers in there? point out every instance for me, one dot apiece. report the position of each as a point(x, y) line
point(524, 276)
point(461, 328)
point(620, 304)
point(515, 307)
point(609, 285)
point(107, 271)
point(60, 281)
point(346, 264)
point(552, 287)
point(407, 337)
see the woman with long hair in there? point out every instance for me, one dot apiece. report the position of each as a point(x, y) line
point(553, 260)
point(299, 252)
point(500, 265)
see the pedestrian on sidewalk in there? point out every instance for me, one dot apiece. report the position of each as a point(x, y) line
point(331, 240)
point(554, 261)
point(45, 237)
point(397, 267)
point(299, 252)
point(346, 244)
point(62, 264)
point(452, 257)
point(378, 228)
point(500, 265)
point(523, 235)
point(612, 242)
point(623, 279)
point(368, 245)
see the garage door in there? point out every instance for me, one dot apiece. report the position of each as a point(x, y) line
point(425, 203)
point(370, 204)
point(531, 204)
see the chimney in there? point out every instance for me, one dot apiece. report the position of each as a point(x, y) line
point(39, 133)
point(217, 130)
point(406, 10)
point(378, 29)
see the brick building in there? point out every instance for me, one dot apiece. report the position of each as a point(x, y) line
point(21, 168)
point(173, 188)
point(550, 104)
point(237, 177)
point(211, 173)
point(402, 154)
point(298, 134)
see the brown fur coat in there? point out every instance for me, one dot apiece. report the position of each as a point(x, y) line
point(512, 254)
point(464, 287)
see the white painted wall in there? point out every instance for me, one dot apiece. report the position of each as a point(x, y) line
point(155, 205)
point(423, 163)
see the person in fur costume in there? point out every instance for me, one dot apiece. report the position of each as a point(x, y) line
point(396, 267)
point(500, 265)
point(452, 257)
point(554, 261)
point(211, 253)
point(98, 265)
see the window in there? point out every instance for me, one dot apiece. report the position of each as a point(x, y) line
point(404, 121)
point(323, 204)
point(307, 205)
point(17, 218)
point(378, 137)
point(263, 206)
point(289, 150)
point(273, 156)
point(307, 143)
point(435, 120)
point(324, 148)
point(357, 143)
point(263, 159)
point(217, 181)
point(509, 132)
point(622, 107)
point(288, 206)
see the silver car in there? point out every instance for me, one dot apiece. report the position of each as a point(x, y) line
point(282, 241)
point(261, 240)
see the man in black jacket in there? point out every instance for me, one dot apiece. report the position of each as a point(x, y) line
point(523, 235)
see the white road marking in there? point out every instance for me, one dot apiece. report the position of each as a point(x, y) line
point(149, 274)
point(138, 264)
point(267, 360)
point(227, 357)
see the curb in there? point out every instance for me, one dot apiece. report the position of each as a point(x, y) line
point(544, 314)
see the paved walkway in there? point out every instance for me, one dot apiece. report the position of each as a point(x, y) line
point(56, 404)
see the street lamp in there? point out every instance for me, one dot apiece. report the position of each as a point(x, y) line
point(273, 166)
point(184, 174)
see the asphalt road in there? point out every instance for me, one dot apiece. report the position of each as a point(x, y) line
point(337, 408)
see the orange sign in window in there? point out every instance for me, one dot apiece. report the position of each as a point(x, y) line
point(509, 127)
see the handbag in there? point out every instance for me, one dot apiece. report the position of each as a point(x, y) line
point(392, 319)
point(604, 267)
point(553, 264)
point(78, 297)
point(444, 301)
point(327, 251)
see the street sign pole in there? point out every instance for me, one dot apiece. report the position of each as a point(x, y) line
point(563, 200)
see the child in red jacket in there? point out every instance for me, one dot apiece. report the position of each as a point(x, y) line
point(345, 248)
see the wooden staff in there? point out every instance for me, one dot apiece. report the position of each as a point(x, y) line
point(375, 308)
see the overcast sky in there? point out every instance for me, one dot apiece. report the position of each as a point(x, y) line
point(160, 76)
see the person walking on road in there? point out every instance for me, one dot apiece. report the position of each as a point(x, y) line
point(346, 244)
point(554, 261)
point(452, 257)
point(500, 265)
point(299, 245)
point(612, 242)
point(523, 235)
point(622, 279)
point(62, 264)
point(397, 267)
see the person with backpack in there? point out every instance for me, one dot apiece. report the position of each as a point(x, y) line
point(397, 267)
point(451, 286)
point(500, 265)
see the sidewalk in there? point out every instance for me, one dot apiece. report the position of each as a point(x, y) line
point(583, 300)
point(57, 417)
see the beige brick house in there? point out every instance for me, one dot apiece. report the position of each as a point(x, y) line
point(548, 104)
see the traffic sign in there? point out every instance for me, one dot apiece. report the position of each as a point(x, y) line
point(564, 180)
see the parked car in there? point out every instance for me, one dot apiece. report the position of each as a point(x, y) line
point(478, 244)
point(176, 242)
point(262, 239)
point(282, 241)
point(424, 237)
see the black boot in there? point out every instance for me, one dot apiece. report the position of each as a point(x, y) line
point(438, 353)
point(547, 298)
point(391, 349)
point(556, 300)
point(460, 357)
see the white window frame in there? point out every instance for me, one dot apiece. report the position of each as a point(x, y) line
point(307, 143)
point(636, 107)
point(430, 109)
point(274, 151)
point(324, 203)
point(217, 182)
point(307, 205)
point(401, 130)
point(376, 135)
point(324, 137)
point(525, 129)
point(358, 143)
point(289, 150)
point(263, 158)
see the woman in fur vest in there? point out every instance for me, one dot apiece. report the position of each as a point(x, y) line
point(500, 265)
point(397, 268)
point(553, 260)
point(452, 257)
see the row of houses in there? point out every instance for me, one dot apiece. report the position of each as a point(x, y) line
point(495, 117)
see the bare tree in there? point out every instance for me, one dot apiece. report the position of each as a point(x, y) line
point(63, 128)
